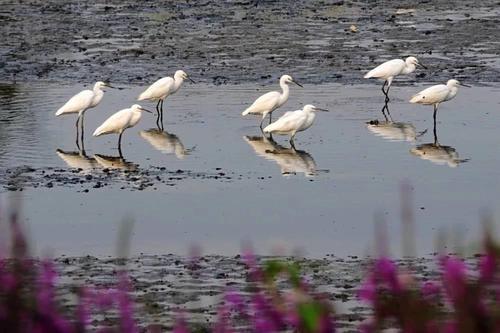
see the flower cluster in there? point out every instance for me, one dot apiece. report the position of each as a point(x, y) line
point(460, 300)
point(28, 297)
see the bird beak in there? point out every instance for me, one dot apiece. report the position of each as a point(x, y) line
point(190, 79)
point(109, 86)
point(419, 64)
point(143, 109)
point(464, 85)
point(324, 110)
point(297, 83)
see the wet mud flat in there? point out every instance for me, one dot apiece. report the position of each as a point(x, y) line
point(118, 173)
point(163, 284)
point(228, 42)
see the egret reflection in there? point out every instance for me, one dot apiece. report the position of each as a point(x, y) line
point(77, 159)
point(438, 153)
point(114, 162)
point(391, 130)
point(164, 142)
point(290, 160)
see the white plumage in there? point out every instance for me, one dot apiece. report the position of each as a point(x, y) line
point(437, 94)
point(80, 103)
point(270, 101)
point(120, 121)
point(392, 68)
point(161, 89)
point(84, 100)
point(293, 121)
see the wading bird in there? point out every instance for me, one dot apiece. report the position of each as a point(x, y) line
point(392, 68)
point(120, 121)
point(81, 102)
point(293, 121)
point(270, 101)
point(437, 94)
point(161, 89)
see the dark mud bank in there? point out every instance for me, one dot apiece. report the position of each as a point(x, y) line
point(222, 42)
point(163, 284)
point(123, 175)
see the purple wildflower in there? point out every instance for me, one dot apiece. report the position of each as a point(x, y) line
point(368, 290)
point(454, 277)
point(487, 267)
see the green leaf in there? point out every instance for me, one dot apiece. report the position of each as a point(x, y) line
point(310, 314)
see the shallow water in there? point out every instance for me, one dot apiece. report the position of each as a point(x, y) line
point(320, 200)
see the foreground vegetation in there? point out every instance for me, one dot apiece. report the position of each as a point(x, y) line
point(276, 298)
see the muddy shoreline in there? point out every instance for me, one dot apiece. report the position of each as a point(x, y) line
point(163, 284)
point(232, 42)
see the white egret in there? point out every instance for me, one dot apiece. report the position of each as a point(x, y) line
point(120, 121)
point(83, 101)
point(392, 68)
point(437, 94)
point(270, 101)
point(161, 89)
point(293, 121)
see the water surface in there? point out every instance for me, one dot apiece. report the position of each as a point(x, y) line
point(321, 199)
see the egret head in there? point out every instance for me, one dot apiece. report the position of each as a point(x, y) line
point(101, 84)
point(288, 79)
point(455, 83)
point(180, 74)
point(137, 107)
point(311, 108)
point(413, 61)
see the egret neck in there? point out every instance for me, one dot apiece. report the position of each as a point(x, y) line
point(98, 94)
point(409, 67)
point(285, 93)
point(453, 90)
point(177, 82)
